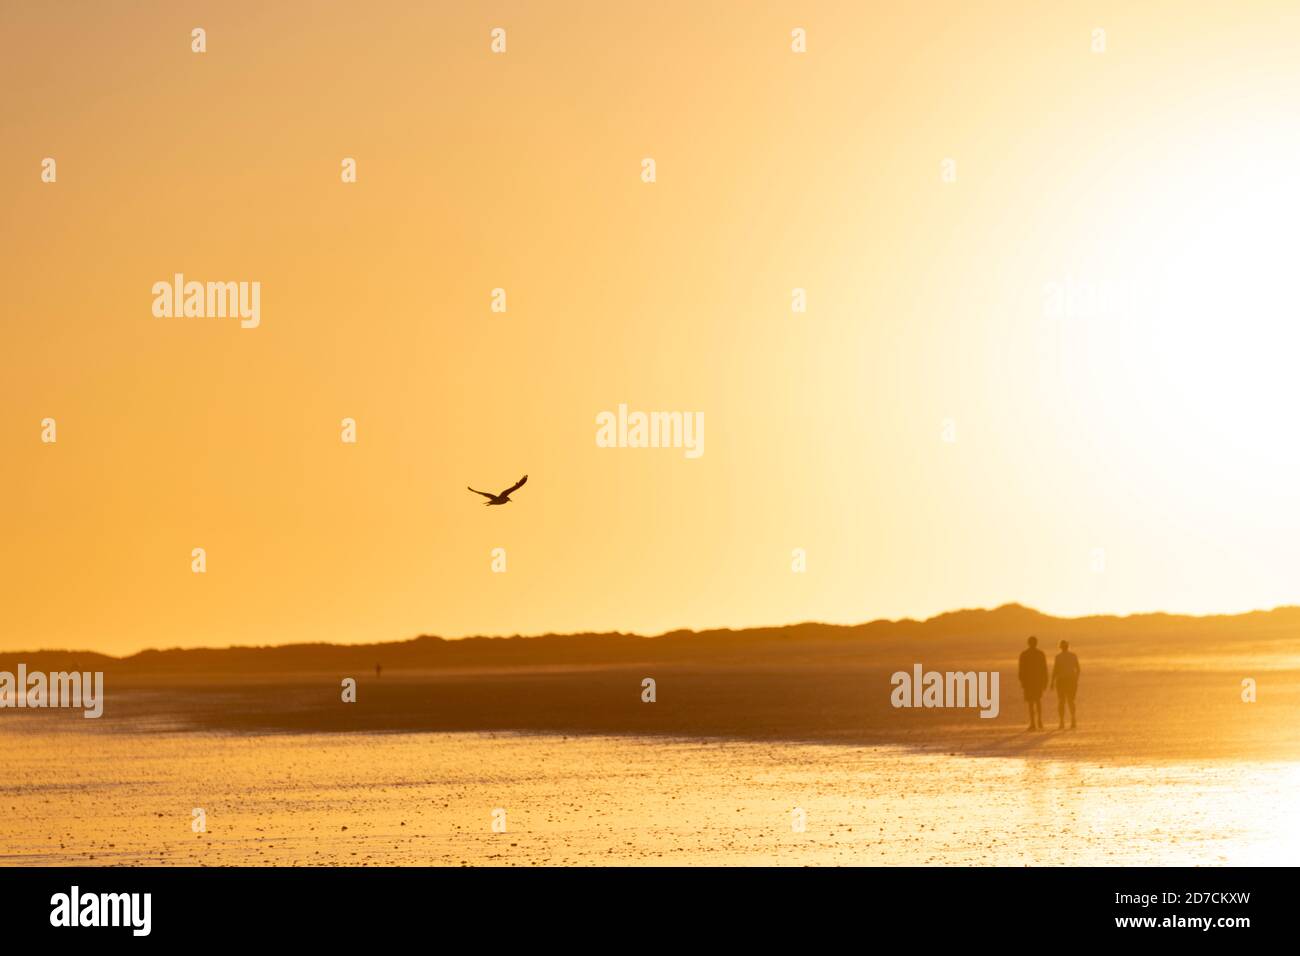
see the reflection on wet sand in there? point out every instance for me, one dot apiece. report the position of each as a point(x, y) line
point(428, 799)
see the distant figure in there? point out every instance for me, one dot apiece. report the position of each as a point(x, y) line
point(379, 671)
point(504, 497)
point(1033, 678)
point(1065, 681)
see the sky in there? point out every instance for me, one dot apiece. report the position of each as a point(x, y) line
point(1048, 352)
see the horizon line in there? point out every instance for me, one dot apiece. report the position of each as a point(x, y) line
point(1008, 606)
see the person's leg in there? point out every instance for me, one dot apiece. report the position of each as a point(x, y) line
point(1060, 706)
point(1071, 701)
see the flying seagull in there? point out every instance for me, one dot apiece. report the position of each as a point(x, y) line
point(504, 497)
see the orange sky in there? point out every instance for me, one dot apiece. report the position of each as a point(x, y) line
point(1149, 413)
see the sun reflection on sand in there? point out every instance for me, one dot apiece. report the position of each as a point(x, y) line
point(421, 799)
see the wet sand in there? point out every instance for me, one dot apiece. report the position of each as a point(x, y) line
point(428, 799)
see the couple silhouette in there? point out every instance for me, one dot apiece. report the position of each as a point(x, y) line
point(1034, 679)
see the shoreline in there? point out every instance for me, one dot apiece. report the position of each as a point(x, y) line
point(1124, 715)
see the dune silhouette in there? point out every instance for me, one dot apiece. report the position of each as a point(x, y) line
point(1272, 631)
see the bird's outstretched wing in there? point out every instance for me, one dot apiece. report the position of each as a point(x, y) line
point(483, 493)
point(515, 487)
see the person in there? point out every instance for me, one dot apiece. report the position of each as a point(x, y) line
point(1033, 679)
point(1065, 681)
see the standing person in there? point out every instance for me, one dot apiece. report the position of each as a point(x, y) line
point(1065, 681)
point(1033, 678)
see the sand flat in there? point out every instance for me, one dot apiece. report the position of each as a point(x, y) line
point(428, 799)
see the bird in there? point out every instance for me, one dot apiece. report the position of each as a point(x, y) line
point(504, 497)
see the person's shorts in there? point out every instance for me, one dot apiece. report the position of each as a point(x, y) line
point(1034, 694)
point(1066, 689)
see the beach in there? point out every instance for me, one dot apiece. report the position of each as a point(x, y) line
point(771, 748)
point(422, 799)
